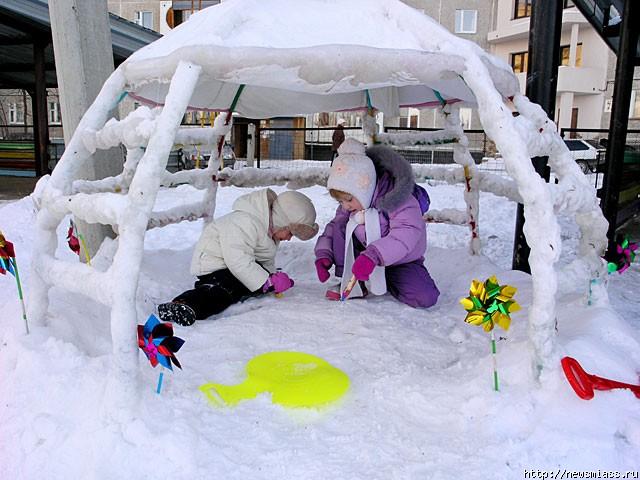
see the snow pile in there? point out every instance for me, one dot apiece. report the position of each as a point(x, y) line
point(421, 403)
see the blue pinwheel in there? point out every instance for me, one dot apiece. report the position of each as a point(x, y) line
point(159, 345)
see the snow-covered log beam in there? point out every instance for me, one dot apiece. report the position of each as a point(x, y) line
point(255, 177)
point(199, 179)
point(104, 208)
point(190, 212)
point(200, 136)
point(487, 182)
point(75, 277)
point(451, 216)
point(423, 139)
point(109, 184)
point(135, 130)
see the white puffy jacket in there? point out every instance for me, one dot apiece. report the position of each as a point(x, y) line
point(239, 241)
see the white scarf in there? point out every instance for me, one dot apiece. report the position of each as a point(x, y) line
point(376, 283)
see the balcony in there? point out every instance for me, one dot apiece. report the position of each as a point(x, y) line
point(508, 29)
point(579, 80)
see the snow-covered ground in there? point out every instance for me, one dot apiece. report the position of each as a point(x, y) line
point(420, 406)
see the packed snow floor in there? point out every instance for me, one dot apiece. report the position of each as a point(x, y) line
point(421, 403)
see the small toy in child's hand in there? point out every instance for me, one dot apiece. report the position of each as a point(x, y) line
point(584, 383)
point(294, 379)
point(348, 288)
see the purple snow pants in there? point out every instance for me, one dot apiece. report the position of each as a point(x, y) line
point(411, 283)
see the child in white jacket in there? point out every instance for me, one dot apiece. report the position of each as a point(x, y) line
point(235, 256)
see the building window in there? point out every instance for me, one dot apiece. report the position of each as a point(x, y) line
point(466, 21)
point(16, 114)
point(145, 19)
point(54, 113)
point(409, 118)
point(634, 108)
point(522, 9)
point(465, 117)
point(519, 62)
point(564, 55)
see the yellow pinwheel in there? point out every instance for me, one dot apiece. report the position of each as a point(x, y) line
point(490, 304)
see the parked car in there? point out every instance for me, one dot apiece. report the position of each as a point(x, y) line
point(585, 154)
point(631, 152)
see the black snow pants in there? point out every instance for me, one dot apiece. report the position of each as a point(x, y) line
point(214, 292)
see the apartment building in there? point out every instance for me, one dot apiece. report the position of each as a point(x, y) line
point(587, 65)
point(16, 117)
point(469, 19)
point(585, 83)
point(158, 15)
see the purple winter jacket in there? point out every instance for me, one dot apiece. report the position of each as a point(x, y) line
point(402, 228)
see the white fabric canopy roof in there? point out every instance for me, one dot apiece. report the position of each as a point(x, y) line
point(297, 57)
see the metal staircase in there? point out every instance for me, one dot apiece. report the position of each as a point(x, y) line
point(606, 17)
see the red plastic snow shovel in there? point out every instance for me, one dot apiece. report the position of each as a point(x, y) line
point(584, 383)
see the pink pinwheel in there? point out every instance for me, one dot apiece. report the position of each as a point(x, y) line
point(625, 256)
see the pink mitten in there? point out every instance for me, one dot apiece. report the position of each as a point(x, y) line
point(322, 268)
point(362, 267)
point(277, 282)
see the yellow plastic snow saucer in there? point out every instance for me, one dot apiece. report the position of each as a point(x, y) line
point(294, 379)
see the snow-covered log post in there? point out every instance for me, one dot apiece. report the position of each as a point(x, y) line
point(462, 157)
point(124, 272)
point(223, 124)
point(43, 265)
point(573, 194)
point(541, 227)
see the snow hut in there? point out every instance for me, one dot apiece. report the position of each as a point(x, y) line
point(282, 58)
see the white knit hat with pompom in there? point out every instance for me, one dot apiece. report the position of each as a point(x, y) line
point(353, 172)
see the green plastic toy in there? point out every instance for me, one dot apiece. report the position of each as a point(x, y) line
point(294, 379)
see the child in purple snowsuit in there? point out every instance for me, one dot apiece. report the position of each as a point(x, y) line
point(378, 234)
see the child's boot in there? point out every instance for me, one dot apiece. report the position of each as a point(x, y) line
point(175, 312)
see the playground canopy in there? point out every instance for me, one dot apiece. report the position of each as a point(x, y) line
point(297, 61)
point(284, 57)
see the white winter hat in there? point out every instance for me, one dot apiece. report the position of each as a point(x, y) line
point(295, 210)
point(353, 172)
point(341, 121)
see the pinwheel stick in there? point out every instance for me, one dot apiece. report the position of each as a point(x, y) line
point(160, 378)
point(19, 285)
point(83, 244)
point(84, 247)
point(495, 362)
